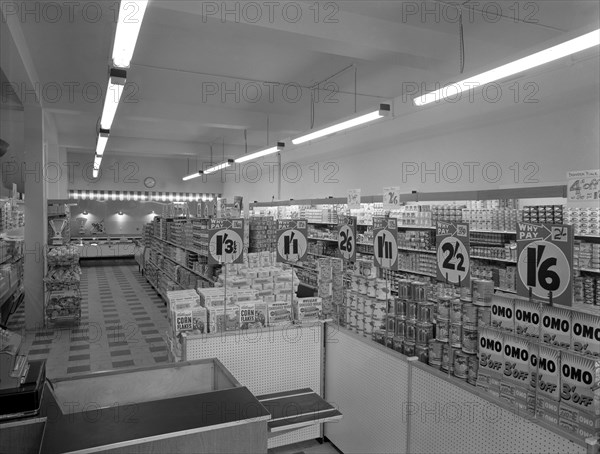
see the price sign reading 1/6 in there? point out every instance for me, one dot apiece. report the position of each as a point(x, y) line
point(291, 240)
point(545, 254)
point(385, 243)
point(391, 198)
point(453, 261)
point(347, 237)
point(225, 244)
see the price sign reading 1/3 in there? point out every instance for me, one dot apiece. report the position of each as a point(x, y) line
point(545, 254)
point(391, 198)
point(291, 240)
point(225, 244)
point(453, 261)
point(347, 237)
point(385, 243)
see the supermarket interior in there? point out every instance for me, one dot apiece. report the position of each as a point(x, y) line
point(300, 227)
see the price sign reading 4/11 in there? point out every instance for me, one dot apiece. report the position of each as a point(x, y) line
point(453, 261)
point(347, 237)
point(291, 240)
point(385, 243)
point(225, 244)
point(545, 264)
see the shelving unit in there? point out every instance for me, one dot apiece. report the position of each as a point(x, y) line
point(12, 221)
point(63, 296)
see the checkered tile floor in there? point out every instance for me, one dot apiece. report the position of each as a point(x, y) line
point(123, 324)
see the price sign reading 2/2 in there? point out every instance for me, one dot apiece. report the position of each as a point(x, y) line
point(453, 261)
point(291, 240)
point(385, 243)
point(545, 261)
point(347, 237)
point(225, 244)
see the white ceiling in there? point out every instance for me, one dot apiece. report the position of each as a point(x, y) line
point(181, 53)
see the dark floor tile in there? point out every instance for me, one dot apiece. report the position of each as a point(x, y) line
point(39, 351)
point(42, 342)
point(158, 348)
point(142, 319)
point(117, 344)
point(120, 353)
point(145, 325)
point(155, 339)
point(75, 348)
point(161, 359)
point(80, 338)
point(127, 363)
point(75, 369)
point(149, 331)
point(79, 357)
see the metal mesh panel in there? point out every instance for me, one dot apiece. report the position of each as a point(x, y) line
point(370, 388)
point(446, 418)
point(267, 362)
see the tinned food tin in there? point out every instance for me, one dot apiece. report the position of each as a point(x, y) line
point(435, 353)
point(411, 331)
point(455, 335)
point(422, 352)
point(425, 312)
point(469, 340)
point(456, 309)
point(469, 315)
point(424, 333)
point(461, 365)
point(444, 308)
point(442, 330)
point(409, 348)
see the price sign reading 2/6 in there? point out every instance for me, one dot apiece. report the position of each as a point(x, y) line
point(385, 243)
point(453, 261)
point(347, 237)
point(225, 244)
point(291, 240)
point(545, 261)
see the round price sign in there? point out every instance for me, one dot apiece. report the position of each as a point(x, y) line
point(346, 242)
point(225, 246)
point(544, 268)
point(453, 259)
point(292, 245)
point(385, 249)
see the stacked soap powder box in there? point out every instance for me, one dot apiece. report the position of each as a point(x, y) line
point(257, 294)
point(543, 360)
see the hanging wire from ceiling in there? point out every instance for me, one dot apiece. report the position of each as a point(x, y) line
point(355, 69)
point(245, 141)
point(461, 32)
point(317, 86)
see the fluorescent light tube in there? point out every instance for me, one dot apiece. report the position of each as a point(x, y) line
point(96, 169)
point(131, 15)
point(116, 82)
point(193, 175)
point(219, 167)
point(523, 64)
point(102, 141)
point(261, 153)
point(383, 111)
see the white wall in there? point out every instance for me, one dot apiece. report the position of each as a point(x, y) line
point(127, 173)
point(493, 145)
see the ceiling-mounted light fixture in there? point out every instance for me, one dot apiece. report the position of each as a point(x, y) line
point(131, 15)
point(383, 111)
point(96, 169)
point(193, 175)
point(120, 213)
point(102, 141)
point(219, 167)
point(85, 212)
point(258, 154)
point(553, 53)
point(116, 82)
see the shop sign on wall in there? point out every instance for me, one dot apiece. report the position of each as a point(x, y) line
point(225, 244)
point(582, 185)
point(545, 253)
point(292, 244)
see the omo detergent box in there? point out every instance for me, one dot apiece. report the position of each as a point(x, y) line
point(503, 313)
point(580, 382)
point(585, 336)
point(527, 319)
point(516, 359)
point(490, 352)
point(308, 309)
point(556, 327)
point(544, 372)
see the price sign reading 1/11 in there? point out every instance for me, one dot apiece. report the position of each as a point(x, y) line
point(225, 244)
point(385, 243)
point(545, 264)
point(291, 240)
point(453, 261)
point(347, 237)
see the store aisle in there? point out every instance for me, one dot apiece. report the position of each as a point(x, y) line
point(123, 324)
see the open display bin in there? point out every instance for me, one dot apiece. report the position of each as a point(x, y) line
point(195, 406)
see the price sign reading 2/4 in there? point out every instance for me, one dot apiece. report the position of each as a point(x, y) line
point(347, 237)
point(291, 240)
point(385, 243)
point(453, 261)
point(545, 254)
point(225, 244)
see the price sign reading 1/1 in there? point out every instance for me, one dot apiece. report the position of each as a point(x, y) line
point(391, 198)
point(385, 243)
point(291, 240)
point(347, 237)
point(225, 244)
point(453, 261)
point(545, 254)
